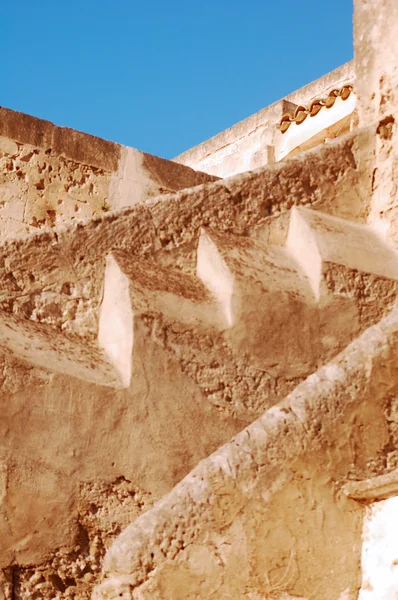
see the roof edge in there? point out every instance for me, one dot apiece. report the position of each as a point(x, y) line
point(270, 114)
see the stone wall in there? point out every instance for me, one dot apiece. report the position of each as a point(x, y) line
point(250, 143)
point(88, 453)
point(169, 311)
point(50, 174)
point(266, 515)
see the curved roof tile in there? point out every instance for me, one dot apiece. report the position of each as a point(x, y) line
point(302, 112)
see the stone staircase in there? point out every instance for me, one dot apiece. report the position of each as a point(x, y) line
point(77, 315)
point(166, 327)
point(192, 368)
point(266, 515)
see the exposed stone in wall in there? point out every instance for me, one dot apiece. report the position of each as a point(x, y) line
point(149, 312)
point(104, 509)
point(59, 432)
point(258, 500)
point(40, 189)
point(50, 174)
point(201, 367)
point(229, 380)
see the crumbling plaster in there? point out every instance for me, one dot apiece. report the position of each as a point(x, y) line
point(152, 435)
point(266, 511)
point(172, 311)
point(50, 174)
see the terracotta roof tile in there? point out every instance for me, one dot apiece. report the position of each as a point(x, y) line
point(302, 112)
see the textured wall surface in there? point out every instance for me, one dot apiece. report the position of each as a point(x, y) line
point(198, 387)
point(50, 174)
point(255, 141)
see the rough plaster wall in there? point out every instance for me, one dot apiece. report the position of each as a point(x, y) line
point(334, 179)
point(47, 176)
point(58, 447)
point(58, 282)
point(103, 509)
point(376, 48)
point(241, 522)
point(261, 359)
point(192, 386)
point(250, 143)
point(56, 279)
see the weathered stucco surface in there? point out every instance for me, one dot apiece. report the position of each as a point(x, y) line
point(49, 174)
point(255, 141)
point(198, 380)
point(266, 512)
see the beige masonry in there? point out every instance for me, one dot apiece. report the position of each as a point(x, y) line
point(256, 141)
point(49, 174)
point(198, 380)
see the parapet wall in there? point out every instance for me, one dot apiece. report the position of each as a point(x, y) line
point(249, 144)
point(50, 174)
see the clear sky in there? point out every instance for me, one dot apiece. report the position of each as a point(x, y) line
point(162, 75)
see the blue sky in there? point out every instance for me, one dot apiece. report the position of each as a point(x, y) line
point(162, 76)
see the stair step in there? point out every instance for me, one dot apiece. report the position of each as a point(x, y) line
point(317, 240)
point(279, 309)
